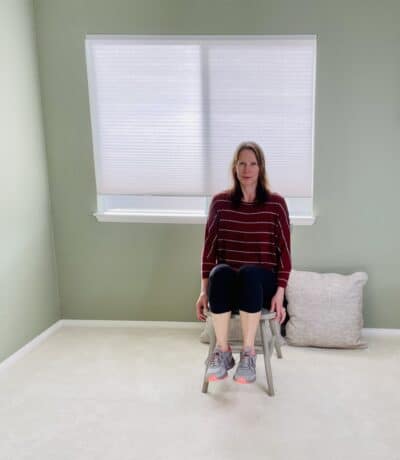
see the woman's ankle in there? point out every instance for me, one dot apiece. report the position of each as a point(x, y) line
point(225, 347)
point(250, 348)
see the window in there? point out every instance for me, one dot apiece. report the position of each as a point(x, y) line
point(167, 113)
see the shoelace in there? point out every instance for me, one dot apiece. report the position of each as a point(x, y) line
point(247, 362)
point(215, 359)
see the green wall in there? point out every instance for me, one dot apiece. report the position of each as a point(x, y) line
point(29, 300)
point(151, 271)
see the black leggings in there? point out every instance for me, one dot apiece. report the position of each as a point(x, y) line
point(249, 289)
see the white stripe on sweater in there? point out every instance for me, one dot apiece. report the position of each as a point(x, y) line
point(248, 242)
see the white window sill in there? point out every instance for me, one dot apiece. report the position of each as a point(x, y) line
point(164, 217)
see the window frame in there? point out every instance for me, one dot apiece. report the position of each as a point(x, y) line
point(299, 214)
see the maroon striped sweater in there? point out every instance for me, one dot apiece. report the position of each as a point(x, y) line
point(248, 235)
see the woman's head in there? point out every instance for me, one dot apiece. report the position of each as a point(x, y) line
point(248, 166)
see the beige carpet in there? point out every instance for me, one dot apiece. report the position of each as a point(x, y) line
point(135, 393)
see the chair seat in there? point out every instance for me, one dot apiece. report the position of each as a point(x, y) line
point(265, 314)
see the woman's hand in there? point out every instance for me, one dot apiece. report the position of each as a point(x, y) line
point(202, 307)
point(277, 305)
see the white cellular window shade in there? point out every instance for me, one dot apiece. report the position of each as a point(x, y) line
point(167, 113)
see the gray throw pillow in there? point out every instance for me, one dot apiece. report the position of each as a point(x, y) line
point(325, 309)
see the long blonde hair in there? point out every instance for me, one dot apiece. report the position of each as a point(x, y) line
point(263, 188)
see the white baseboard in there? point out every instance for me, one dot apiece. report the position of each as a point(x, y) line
point(110, 323)
point(30, 345)
point(92, 323)
point(378, 331)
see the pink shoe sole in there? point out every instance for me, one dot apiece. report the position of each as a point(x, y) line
point(214, 378)
point(242, 380)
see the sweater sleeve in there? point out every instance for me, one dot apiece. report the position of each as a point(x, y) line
point(209, 253)
point(283, 240)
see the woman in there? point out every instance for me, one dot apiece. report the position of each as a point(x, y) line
point(245, 261)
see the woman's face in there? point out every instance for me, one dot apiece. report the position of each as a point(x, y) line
point(247, 169)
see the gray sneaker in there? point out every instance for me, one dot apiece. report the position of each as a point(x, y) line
point(246, 369)
point(219, 364)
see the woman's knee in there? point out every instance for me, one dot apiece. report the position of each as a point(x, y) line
point(248, 273)
point(222, 271)
point(253, 274)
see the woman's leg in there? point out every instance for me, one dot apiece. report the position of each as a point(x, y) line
point(221, 328)
point(257, 286)
point(249, 322)
point(221, 292)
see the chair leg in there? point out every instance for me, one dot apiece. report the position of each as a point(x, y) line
point(213, 341)
point(267, 355)
point(274, 331)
